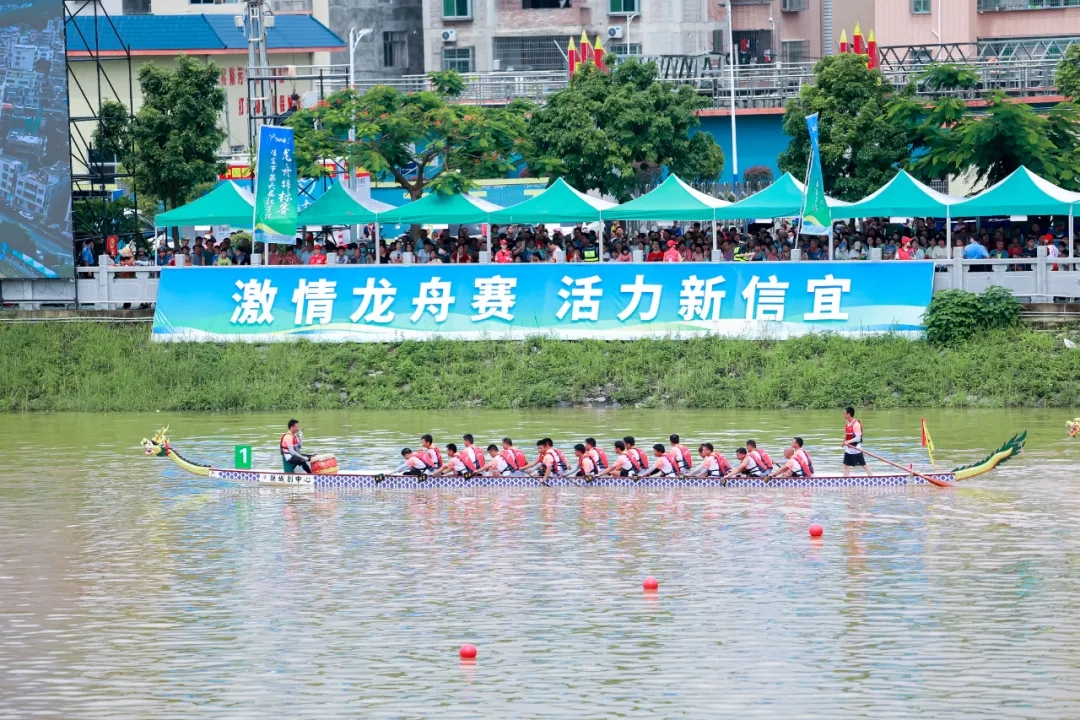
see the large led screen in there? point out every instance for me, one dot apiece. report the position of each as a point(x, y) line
point(35, 162)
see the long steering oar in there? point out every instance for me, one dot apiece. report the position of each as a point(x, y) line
point(927, 478)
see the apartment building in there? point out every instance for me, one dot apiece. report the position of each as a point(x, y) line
point(923, 22)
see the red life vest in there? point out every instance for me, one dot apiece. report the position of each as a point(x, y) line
point(581, 465)
point(803, 458)
point(600, 459)
point(515, 459)
point(560, 460)
point(467, 460)
point(636, 461)
point(761, 459)
point(683, 459)
point(286, 450)
point(849, 432)
point(424, 454)
point(725, 466)
point(477, 456)
point(673, 457)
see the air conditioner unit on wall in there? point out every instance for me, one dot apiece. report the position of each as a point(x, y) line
point(449, 36)
point(615, 32)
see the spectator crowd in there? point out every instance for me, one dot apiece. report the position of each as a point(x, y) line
point(921, 239)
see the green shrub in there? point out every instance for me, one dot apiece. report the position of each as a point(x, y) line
point(956, 316)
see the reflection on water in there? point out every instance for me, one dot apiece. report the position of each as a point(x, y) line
point(130, 589)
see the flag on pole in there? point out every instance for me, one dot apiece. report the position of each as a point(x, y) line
point(928, 443)
point(275, 186)
point(572, 58)
point(843, 41)
point(871, 50)
point(857, 41)
point(586, 49)
point(598, 55)
point(816, 216)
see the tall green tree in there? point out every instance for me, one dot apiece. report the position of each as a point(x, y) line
point(1067, 77)
point(173, 143)
point(614, 133)
point(948, 138)
point(424, 140)
point(860, 146)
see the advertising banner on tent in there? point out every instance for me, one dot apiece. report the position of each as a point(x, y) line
point(816, 217)
point(368, 303)
point(275, 185)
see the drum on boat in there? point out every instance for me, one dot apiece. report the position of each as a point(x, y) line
point(325, 464)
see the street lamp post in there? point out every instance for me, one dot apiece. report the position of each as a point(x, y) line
point(355, 36)
point(733, 61)
point(629, 19)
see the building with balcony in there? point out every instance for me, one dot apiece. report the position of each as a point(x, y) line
point(295, 41)
point(987, 24)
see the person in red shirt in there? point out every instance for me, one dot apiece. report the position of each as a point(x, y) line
point(655, 254)
point(905, 252)
point(672, 252)
point(504, 255)
point(461, 255)
point(318, 257)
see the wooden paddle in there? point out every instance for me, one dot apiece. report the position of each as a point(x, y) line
point(927, 478)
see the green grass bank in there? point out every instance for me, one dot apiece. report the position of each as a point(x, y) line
point(104, 367)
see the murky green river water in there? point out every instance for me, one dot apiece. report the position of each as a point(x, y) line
point(129, 589)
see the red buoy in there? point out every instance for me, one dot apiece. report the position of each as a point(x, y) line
point(467, 652)
point(651, 583)
point(816, 530)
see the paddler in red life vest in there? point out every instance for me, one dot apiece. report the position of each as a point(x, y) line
point(622, 465)
point(853, 455)
point(637, 456)
point(586, 466)
point(415, 464)
point(515, 458)
point(598, 456)
point(761, 458)
point(429, 450)
point(460, 463)
point(713, 464)
point(550, 460)
point(497, 465)
point(666, 464)
point(802, 457)
point(680, 455)
point(291, 456)
point(471, 449)
point(791, 466)
point(746, 466)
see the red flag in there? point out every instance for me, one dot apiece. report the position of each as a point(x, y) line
point(857, 41)
point(871, 50)
point(586, 49)
point(572, 57)
point(598, 55)
point(843, 41)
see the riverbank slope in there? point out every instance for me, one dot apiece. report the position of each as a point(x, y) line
point(108, 367)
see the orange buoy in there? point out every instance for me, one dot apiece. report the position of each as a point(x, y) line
point(467, 652)
point(651, 583)
point(816, 530)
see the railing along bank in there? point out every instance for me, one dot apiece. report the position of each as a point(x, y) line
point(110, 287)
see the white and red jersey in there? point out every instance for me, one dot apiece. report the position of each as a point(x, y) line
point(752, 468)
point(586, 465)
point(501, 466)
point(665, 465)
point(622, 464)
point(599, 457)
point(434, 456)
point(805, 463)
point(638, 459)
point(792, 466)
point(853, 431)
point(682, 457)
point(474, 452)
point(712, 466)
point(415, 462)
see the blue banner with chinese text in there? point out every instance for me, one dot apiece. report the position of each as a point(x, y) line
point(371, 303)
point(275, 186)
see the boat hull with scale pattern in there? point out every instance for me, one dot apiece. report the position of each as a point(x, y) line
point(410, 482)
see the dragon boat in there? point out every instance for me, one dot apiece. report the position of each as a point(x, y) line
point(159, 446)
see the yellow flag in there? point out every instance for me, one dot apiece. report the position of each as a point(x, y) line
point(928, 443)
